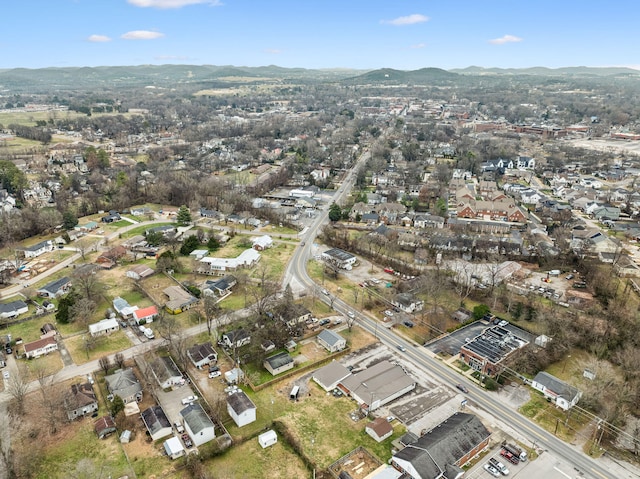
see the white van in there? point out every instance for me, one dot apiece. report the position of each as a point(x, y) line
point(149, 333)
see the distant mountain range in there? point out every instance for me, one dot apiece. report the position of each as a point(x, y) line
point(47, 79)
point(544, 71)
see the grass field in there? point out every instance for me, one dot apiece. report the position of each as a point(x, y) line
point(103, 345)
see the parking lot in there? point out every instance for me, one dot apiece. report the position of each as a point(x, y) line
point(546, 465)
point(450, 344)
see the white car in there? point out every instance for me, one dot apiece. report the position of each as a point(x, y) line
point(5, 374)
point(189, 400)
point(351, 314)
point(325, 291)
point(491, 470)
point(388, 312)
point(214, 374)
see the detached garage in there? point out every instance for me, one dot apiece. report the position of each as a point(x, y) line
point(268, 438)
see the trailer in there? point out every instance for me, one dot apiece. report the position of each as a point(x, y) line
point(509, 457)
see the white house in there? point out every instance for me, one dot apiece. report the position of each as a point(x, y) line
point(37, 249)
point(562, 394)
point(202, 354)
point(260, 243)
point(166, 372)
point(197, 424)
point(236, 338)
point(13, 309)
point(340, 258)
point(40, 347)
point(156, 422)
point(241, 408)
point(105, 326)
point(247, 259)
point(145, 315)
point(331, 340)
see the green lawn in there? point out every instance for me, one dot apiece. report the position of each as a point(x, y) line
point(104, 345)
point(141, 229)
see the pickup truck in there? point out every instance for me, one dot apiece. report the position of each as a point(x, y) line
point(499, 466)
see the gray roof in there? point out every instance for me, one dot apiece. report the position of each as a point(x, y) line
point(164, 368)
point(441, 448)
point(155, 419)
point(12, 306)
point(240, 402)
point(37, 246)
point(198, 352)
point(54, 286)
point(556, 385)
point(278, 360)
point(331, 373)
point(330, 337)
point(123, 383)
point(338, 254)
point(196, 418)
point(378, 382)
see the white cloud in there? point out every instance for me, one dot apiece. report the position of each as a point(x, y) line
point(272, 51)
point(165, 4)
point(408, 20)
point(141, 35)
point(505, 39)
point(98, 38)
point(418, 45)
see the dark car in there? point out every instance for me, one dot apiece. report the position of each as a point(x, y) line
point(462, 388)
point(408, 324)
point(324, 321)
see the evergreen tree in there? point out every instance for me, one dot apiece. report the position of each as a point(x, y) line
point(335, 213)
point(184, 216)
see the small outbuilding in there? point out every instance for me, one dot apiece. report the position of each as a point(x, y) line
point(268, 438)
point(173, 447)
point(278, 363)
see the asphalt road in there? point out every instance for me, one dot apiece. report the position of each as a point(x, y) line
point(297, 272)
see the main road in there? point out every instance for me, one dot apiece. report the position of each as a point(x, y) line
point(296, 275)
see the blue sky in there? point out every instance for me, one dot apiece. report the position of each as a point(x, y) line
point(363, 34)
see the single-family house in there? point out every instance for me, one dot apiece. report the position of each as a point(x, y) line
point(236, 338)
point(156, 422)
point(13, 309)
point(611, 213)
point(278, 363)
point(56, 288)
point(139, 271)
point(103, 327)
point(331, 340)
point(104, 426)
point(166, 372)
point(123, 308)
point(241, 408)
point(560, 393)
point(125, 384)
point(179, 300)
point(197, 424)
point(220, 266)
point(261, 243)
point(330, 375)
point(379, 429)
point(145, 315)
point(428, 221)
point(37, 249)
point(111, 217)
point(407, 302)
point(80, 401)
point(220, 286)
point(40, 347)
point(294, 315)
point(443, 451)
point(109, 259)
point(202, 354)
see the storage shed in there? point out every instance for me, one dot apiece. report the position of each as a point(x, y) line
point(268, 438)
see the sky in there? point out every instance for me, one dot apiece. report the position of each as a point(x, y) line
point(360, 34)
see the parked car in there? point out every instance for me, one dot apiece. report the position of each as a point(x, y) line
point(213, 369)
point(388, 312)
point(491, 470)
point(7, 349)
point(462, 388)
point(391, 418)
point(503, 323)
point(214, 374)
point(189, 400)
point(408, 324)
point(570, 276)
point(5, 374)
point(324, 321)
point(179, 427)
point(187, 441)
